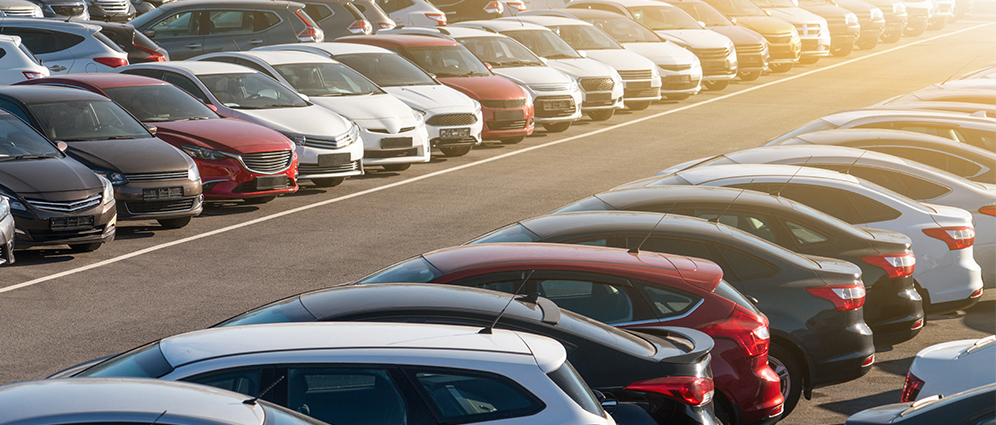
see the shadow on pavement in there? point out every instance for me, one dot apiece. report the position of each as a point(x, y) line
point(897, 367)
point(136, 232)
point(855, 405)
point(41, 256)
point(981, 316)
point(225, 208)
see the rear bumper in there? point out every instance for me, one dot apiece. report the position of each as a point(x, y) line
point(748, 383)
point(893, 309)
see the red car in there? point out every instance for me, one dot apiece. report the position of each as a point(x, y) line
point(627, 290)
point(507, 108)
point(236, 159)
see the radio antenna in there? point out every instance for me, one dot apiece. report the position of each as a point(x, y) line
point(848, 169)
point(487, 329)
point(252, 401)
point(716, 218)
point(793, 176)
point(636, 249)
point(960, 69)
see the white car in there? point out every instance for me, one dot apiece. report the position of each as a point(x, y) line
point(915, 180)
point(453, 120)
point(716, 52)
point(6, 232)
point(18, 64)
point(413, 13)
point(93, 53)
point(951, 367)
point(394, 135)
point(379, 373)
point(328, 146)
point(814, 31)
point(946, 272)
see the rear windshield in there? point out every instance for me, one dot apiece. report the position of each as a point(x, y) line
point(568, 380)
point(146, 361)
point(107, 42)
point(727, 291)
point(283, 311)
point(415, 270)
point(513, 233)
point(587, 204)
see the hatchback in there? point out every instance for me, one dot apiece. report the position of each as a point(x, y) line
point(372, 12)
point(413, 13)
point(66, 47)
point(752, 49)
point(784, 43)
point(17, 63)
point(139, 48)
point(338, 18)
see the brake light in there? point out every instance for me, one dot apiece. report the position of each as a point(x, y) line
point(956, 237)
point(896, 265)
point(911, 388)
point(976, 294)
point(154, 56)
point(517, 5)
point(360, 27)
point(988, 210)
point(310, 34)
point(31, 75)
point(386, 25)
point(868, 361)
point(440, 18)
point(111, 62)
point(689, 390)
point(750, 332)
point(916, 325)
point(843, 297)
point(494, 7)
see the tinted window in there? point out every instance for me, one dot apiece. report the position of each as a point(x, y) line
point(289, 310)
point(146, 361)
point(250, 91)
point(606, 303)
point(246, 381)
point(727, 291)
point(41, 42)
point(448, 61)
point(913, 187)
point(571, 383)
point(344, 396)
point(251, 64)
point(513, 233)
point(937, 159)
point(159, 103)
point(151, 73)
point(986, 419)
point(14, 109)
point(671, 246)
point(870, 211)
point(745, 266)
point(107, 42)
point(3, 53)
point(280, 416)
point(318, 11)
point(756, 224)
point(387, 69)
point(804, 235)
point(179, 25)
point(186, 84)
point(416, 270)
point(326, 79)
point(466, 396)
point(237, 22)
point(824, 199)
point(19, 139)
point(668, 302)
point(83, 120)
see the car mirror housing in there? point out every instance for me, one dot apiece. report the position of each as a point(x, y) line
point(152, 129)
point(61, 146)
point(149, 33)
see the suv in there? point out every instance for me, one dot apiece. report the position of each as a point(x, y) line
point(813, 29)
point(139, 48)
point(66, 47)
point(20, 8)
point(338, 18)
point(752, 48)
point(844, 25)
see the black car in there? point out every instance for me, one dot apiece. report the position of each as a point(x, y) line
point(972, 407)
point(54, 199)
point(612, 361)
point(893, 309)
point(818, 333)
point(152, 179)
point(338, 18)
point(140, 49)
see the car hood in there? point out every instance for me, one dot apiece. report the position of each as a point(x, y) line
point(377, 110)
point(621, 59)
point(428, 98)
point(226, 135)
point(493, 87)
point(312, 120)
point(49, 179)
point(133, 156)
point(583, 68)
point(662, 53)
point(697, 39)
point(534, 75)
point(766, 24)
point(796, 15)
point(739, 35)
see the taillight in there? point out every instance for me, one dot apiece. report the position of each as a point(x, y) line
point(956, 237)
point(750, 333)
point(911, 388)
point(843, 297)
point(517, 5)
point(154, 56)
point(440, 18)
point(896, 265)
point(988, 210)
point(385, 25)
point(689, 390)
point(360, 27)
point(31, 75)
point(310, 33)
point(111, 62)
point(494, 7)
point(976, 294)
point(916, 325)
point(868, 360)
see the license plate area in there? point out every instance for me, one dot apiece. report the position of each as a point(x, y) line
point(638, 85)
point(333, 159)
point(160, 193)
point(679, 79)
point(71, 223)
point(453, 133)
point(271, 182)
point(557, 105)
point(509, 115)
point(396, 142)
point(598, 97)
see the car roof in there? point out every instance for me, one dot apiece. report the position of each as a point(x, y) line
point(624, 3)
point(10, 38)
point(701, 175)
point(845, 135)
point(142, 400)
point(196, 67)
point(841, 118)
point(279, 57)
point(51, 24)
point(501, 25)
point(268, 4)
point(402, 40)
point(764, 154)
point(101, 81)
point(32, 95)
point(623, 198)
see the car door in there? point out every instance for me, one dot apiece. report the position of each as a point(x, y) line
point(181, 34)
point(51, 47)
point(233, 30)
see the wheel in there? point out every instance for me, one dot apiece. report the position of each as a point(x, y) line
point(716, 85)
point(328, 181)
point(809, 60)
point(638, 106)
point(396, 167)
point(513, 140)
point(915, 31)
point(891, 37)
point(779, 68)
point(455, 150)
point(601, 114)
point(85, 247)
point(867, 43)
point(682, 96)
point(840, 51)
point(259, 200)
point(557, 127)
point(789, 371)
point(749, 75)
point(174, 223)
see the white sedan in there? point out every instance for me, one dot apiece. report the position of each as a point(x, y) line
point(951, 367)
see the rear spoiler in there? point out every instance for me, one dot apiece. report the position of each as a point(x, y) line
point(695, 344)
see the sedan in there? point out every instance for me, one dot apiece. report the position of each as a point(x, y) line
point(951, 367)
point(973, 407)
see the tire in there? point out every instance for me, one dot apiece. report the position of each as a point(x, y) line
point(779, 68)
point(258, 200)
point(867, 43)
point(789, 371)
point(809, 60)
point(559, 127)
point(174, 223)
point(513, 140)
point(328, 181)
point(682, 96)
point(715, 85)
point(601, 114)
point(455, 150)
point(396, 167)
point(915, 31)
point(842, 50)
point(749, 75)
point(85, 247)
point(892, 37)
point(723, 410)
point(638, 106)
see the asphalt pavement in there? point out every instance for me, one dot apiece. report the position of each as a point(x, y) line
point(59, 308)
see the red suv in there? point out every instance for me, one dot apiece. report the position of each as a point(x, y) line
point(507, 108)
point(627, 290)
point(236, 159)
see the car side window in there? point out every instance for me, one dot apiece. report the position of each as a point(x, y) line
point(867, 210)
point(243, 381)
point(184, 24)
point(239, 21)
point(318, 11)
point(256, 66)
point(804, 235)
point(759, 225)
point(394, 5)
point(346, 396)
point(937, 159)
point(603, 302)
point(979, 138)
point(913, 187)
point(185, 84)
point(13, 109)
point(461, 396)
point(42, 41)
point(669, 302)
point(984, 419)
point(828, 200)
point(745, 266)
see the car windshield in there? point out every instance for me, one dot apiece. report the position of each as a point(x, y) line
point(501, 52)
point(705, 13)
point(737, 7)
point(387, 69)
point(625, 30)
point(585, 37)
point(250, 91)
point(775, 3)
point(159, 103)
point(448, 61)
point(326, 79)
point(20, 141)
point(544, 43)
point(84, 120)
point(415, 270)
point(146, 361)
point(663, 17)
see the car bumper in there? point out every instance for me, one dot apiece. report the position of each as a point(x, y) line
point(955, 280)
point(459, 129)
point(751, 59)
point(553, 107)
point(815, 47)
point(985, 255)
point(228, 179)
point(748, 383)
point(842, 357)
point(872, 30)
point(7, 240)
point(403, 148)
point(342, 162)
point(36, 229)
point(679, 82)
point(642, 90)
point(146, 200)
point(893, 310)
point(508, 126)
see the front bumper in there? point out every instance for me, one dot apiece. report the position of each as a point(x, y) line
point(229, 179)
point(815, 46)
point(7, 240)
point(36, 229)
point(559, 106)
point(454, 123)
point(750, 58)
point(680, 79)
point(641, 89)
point(159, 199)
point(406, 147)
point(513, 122)
point(783, 48)
point(844, 34)
point(717, 65)
point(321, 162)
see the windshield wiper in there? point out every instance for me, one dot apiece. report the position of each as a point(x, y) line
point(561, 57)
point(33, 156)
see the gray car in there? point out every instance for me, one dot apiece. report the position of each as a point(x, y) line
point(20, 8)
point(338, 18)
point(66, 47)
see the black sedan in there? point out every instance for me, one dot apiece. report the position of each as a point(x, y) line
point(152, 180)
point(972, 407)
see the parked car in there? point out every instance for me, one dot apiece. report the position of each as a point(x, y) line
point(813, 29)
point(980, 96)
point(337, 18)
point(784, 43)
point(470, 10)
point(139, 48)
point(454, 120)
point(138, 400)
point(507, 108)
point(951, 367)
point(955, 157)
point(843, 25)
point(893, 309)
point(7, 232)
point(870, 18)
point(973, 407)
point(20, 8)
point(327, 148)
point(752, 48)
point(716, 53)
point(977, 109)
point(53, 199)
point(381, 373)
point(920, 12)
point(17, 63)
point(236, 159)
point(378, 18)
point(896, 18)
point(394, 136)
point(413, 13)
point(194, 27)
point(62, 9)
point(66, 47)
point(947, 276)
point(969, 84)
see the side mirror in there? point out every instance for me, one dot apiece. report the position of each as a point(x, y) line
point(583, 53)
point(767, 12)
point(488, 64)
point(701, 24)
point(608, 403)
point(152, 129)
point(732, 19)
point(61, 146)
point(149, 33)
point(211, 107)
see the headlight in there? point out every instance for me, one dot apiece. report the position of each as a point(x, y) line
point(198, 152)
point(477, 106)
point(419, 115)
point(12, 201)
point(4, 206)
point(108, 194)
point(193, 174)
point(876, 14)
point(529, 98)
point(116, 178)
point(851, 19)
point(899, 8)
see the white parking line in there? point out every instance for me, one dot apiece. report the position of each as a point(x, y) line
point(457, 168)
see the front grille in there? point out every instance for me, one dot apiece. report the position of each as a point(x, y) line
point(328, 142)
point(750, 49)
point(267, 162)
point(598, 99)
point(386, 131)
point(808, 29)
point(341, 168)
point(504, 104)
point(167, 206)
point(452, 119)
point(676, 68)
point(707, 54)
point(506, 125)
point(112, 6)
point(714, 67)
point(643, 74)
point(832, 21)
point(597, 84)
point(565, 108)
point(63, 224)
point(31, 13)
point(632, 94)
point(172, 175)
point(68, 206)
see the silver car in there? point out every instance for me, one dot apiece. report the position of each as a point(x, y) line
point(67, 47)
point(20, 8)
point(6, 232)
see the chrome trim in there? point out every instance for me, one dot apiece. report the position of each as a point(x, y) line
point(170, 175)
point(681, 316)
point(67, 207)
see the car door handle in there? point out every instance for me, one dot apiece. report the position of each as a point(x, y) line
point(56, 68)
point(256, 41)
point(193, 46)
